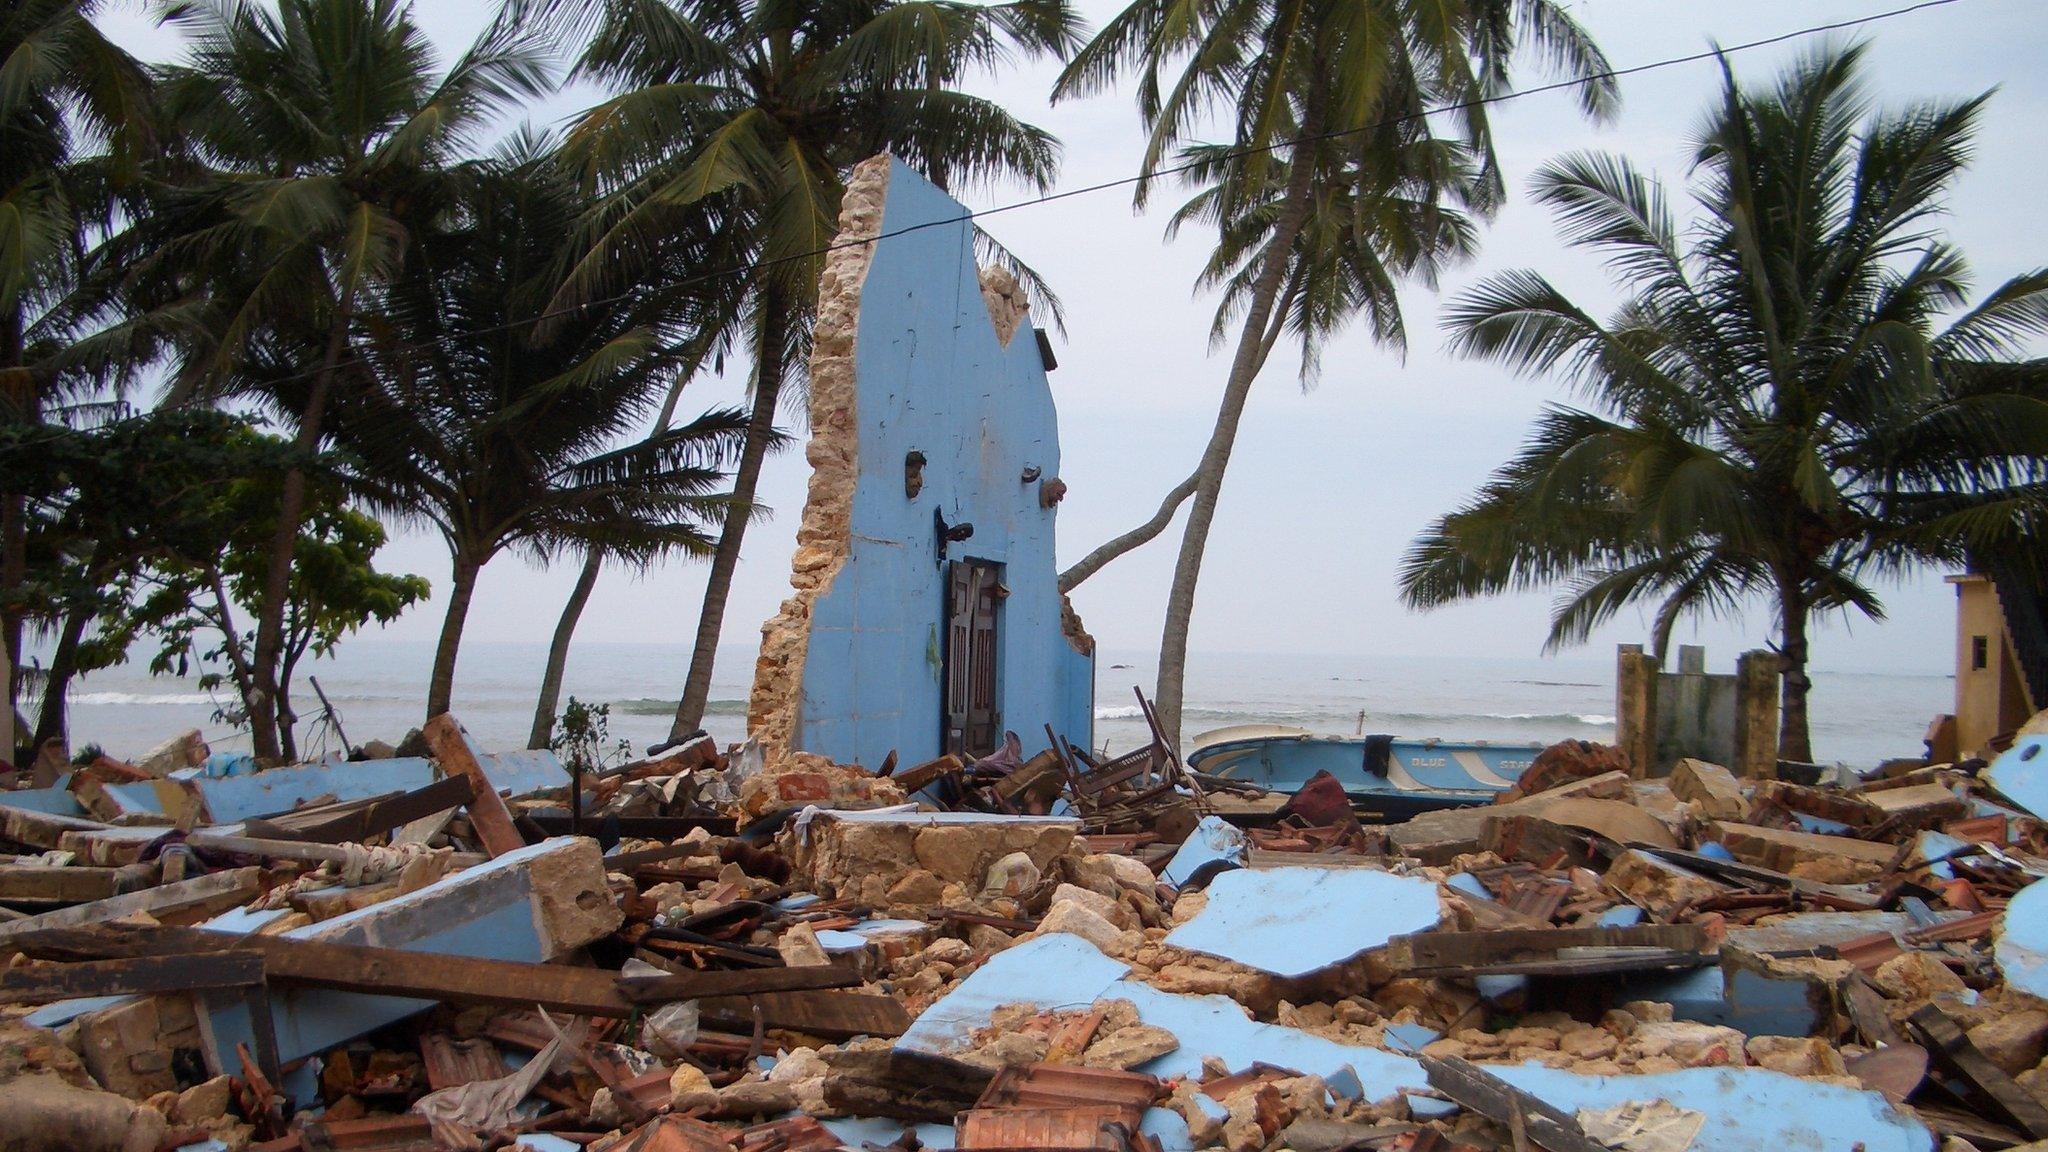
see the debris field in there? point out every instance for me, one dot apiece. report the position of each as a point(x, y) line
point(704, 951)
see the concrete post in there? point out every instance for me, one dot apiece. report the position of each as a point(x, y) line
point(1756, 714)
point(1635, 708)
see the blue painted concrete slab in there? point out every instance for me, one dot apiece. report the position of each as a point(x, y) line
point(1747, 1109)
point(2021, 774)
point(55, 801)
point(490, 911)
point(1738, 998)
point(247, 797)
point(2022, 947)
point(1294, 921)
point(1214, 845)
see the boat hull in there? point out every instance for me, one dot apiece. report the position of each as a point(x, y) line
point(1394, 778)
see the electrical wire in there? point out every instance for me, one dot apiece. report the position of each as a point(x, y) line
point(1126, 181)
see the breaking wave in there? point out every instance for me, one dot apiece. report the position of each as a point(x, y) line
point(1346, 719)
point(666, 706)
point(144, 698)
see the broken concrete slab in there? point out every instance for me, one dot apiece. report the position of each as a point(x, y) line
point(1746, 1109)
point(864, 854)
point(1294, 921)
point(1059, 971)
point(2022, 946)
point(1784, 850)
point(1714, 788)
point(2021, 774)
point(532, 905)
point(1214, 846)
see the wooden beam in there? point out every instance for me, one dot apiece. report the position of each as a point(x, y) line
point(1537, 950)
point(637, 827)
point(358, 821)
point(47, 884)
point(695, 985)
point(487, 812)
point(301, 850)
point(353, 968)
point(1503, 1103)
point(1951, 1048)
point(41, 984)
point(434, 976)
point(831, 1015)
point(196, 898)
point(903, 1085)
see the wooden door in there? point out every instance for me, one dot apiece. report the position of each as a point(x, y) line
point(972, 723)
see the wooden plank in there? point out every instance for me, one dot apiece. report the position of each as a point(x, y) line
point(1497, 1100)
point(1866, 1009)
point(831, 1015)
point(902, 1085)
point(198, 897)
point(487, 812)
point(1760, 878)
point(1951, 1048)
point(353, 968)
point(694, 985)
point(41, 984)
point(48, 884)
point(301, 850)
point(637, 827)
point(1507, 948)
point(358, 821)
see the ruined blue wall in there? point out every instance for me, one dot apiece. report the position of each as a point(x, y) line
point(934, 378)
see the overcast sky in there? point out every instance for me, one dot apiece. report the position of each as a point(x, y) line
point(1327, 488)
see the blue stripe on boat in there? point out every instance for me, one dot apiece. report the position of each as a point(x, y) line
point(1416, 767)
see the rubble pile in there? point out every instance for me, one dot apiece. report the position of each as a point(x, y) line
point(712, 952)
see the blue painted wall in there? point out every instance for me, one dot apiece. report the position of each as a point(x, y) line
point(934, 378)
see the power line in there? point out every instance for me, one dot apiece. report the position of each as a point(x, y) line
point(1126, 181)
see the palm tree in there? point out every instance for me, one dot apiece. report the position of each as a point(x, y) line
point(76, 119)
point(1328, 103)
point(1776, 409)
point(755, 112)
point(327, 147)
point(488, 417)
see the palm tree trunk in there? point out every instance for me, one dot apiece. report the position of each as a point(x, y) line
point(277, 578)
point(775, 327)
point(462, 584)
point(1794, 741)
point(1093, 562)
point(558, 652)
point(1252, 346)
point(13, 542)
point(50, 722)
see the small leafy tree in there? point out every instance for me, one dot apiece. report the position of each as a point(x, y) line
point(193, 599)
point(583, 738)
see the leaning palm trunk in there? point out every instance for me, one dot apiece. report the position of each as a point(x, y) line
point(51, 723)
point(462, 583)
point(277, 578)
point(776, 321)
point(579, 597)
point(558, 651)
point(1252, 345)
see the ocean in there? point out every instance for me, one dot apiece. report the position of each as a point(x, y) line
point(378, 687)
